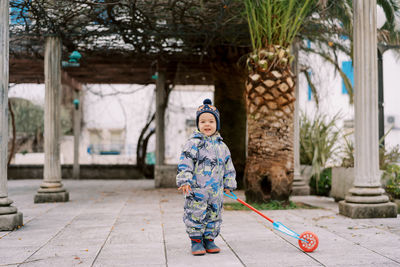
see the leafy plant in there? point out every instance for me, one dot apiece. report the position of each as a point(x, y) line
point(348, 159)
point(276, 22)
point(392, 174)
point(322, 186)
point(387, 160)
point(28, 116)
point(386, 156)
point(29, 125)
point(317, 143)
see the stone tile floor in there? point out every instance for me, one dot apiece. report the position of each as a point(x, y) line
point(130, 223)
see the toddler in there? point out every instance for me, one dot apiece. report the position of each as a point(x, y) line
point(205, 170)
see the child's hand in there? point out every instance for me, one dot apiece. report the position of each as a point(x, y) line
point(227, 191)
point(185, 189)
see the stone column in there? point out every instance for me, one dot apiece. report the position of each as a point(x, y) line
point(77, 132)
point(164, 175)
point(160, 113)
point(51, 190)
point(366, 198)
point(10, 218)
point(300, 188)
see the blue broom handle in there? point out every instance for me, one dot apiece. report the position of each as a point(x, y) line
point(233, 196)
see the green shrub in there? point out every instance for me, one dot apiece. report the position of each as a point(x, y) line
point(29, 118)
point(386, 156)
point(348, 151)
point(322, 186)
point(318, 139)
point(392, 174)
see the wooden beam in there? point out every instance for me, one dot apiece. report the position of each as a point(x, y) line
point(114, 70)
point(73, 83)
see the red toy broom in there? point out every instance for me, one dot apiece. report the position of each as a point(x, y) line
point(308, 241)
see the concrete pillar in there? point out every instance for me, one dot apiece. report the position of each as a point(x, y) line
point(164, 175)
point(366, 198)
point(299, 188)
point(51, 189)
point(10, 218)
point(161, 94)
point(77, 132)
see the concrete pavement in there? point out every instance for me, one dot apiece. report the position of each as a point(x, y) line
point(129, 223)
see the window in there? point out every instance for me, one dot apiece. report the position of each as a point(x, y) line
point(309, 88)
point(116, 141)
point(106, 142)
point(95, 138)
point(347, 68)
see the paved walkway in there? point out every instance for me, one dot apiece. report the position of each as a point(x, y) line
point(129, 223)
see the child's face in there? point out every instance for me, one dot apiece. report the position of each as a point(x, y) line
point(207, 124)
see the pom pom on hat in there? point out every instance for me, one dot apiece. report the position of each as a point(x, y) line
point(209, 108)
point(207, 102)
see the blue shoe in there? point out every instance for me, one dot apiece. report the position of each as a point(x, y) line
point(210, 246)
point(197, 246)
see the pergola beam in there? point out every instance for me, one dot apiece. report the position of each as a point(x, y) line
point(118, 70)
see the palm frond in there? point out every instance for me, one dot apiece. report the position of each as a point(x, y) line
point(312, 86)
point(391, 10)
point(274, 22)
point(343, 75)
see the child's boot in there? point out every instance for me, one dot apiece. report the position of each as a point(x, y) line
point(197, 246)
point(210, 246)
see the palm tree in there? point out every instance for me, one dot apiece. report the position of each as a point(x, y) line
point(270, 96)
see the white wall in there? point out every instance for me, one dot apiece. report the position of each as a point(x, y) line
point(30, 91)
point(116, 107)
point(391, 73)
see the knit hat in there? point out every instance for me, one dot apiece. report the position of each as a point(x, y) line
point(207, 107)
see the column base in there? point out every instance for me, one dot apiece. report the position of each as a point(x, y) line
point(363, 211)
point(397, 202)
point(300, 190)
point(51, 197)
point(165, 176)
point(9, 222)
point(299, 187)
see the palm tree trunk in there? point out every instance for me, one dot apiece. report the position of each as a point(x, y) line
point(229, 97)
point(270, 110)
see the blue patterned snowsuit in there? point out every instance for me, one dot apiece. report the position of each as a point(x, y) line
point(206, 165)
